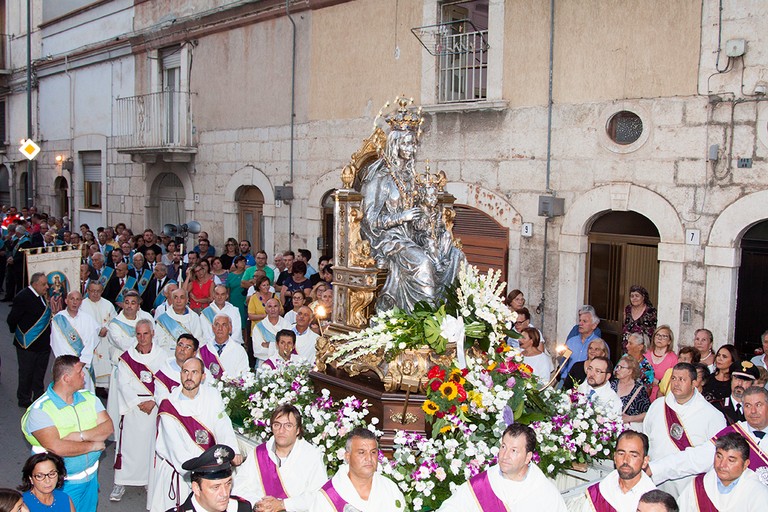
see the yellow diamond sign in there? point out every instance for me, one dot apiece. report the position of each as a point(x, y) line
point(29, 149)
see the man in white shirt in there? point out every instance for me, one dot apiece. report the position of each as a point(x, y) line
point(76, 333)
point(357, 484)
point(102, 311)
point(286, 351)
point(177, 320)
point(264, 331)
point(682, 419)
point(285, 472)
point(762, 360)
point(730, 486)
point(597, 386)
point(513, 484)
point(220, 304)
point(306, 339)
point(622, 488)
point(222, 355)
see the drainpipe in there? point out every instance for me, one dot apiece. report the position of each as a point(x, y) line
point(293, 114)
point(540, 308)
point(31, 163)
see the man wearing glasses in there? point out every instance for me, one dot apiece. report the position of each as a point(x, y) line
point(285, 472)
point(597, 387)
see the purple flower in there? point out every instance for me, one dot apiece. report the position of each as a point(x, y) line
point(511, 382)
point(508, 415)
point(295, 385)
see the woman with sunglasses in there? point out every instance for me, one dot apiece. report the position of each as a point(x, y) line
point(42, 478)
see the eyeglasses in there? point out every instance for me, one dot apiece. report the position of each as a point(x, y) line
point(43, 476)
point(599, 372)
point(185, 347)
point(278, 426)
point(662, 336)
point(622, 367)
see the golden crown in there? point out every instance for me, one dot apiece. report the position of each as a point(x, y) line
point(402, 119)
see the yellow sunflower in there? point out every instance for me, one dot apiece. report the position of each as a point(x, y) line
point(446, 428)
point(456, 377)
point(430, 407)
point(449, 390)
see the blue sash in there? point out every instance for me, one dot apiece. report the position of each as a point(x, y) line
point(70, 333)
point(16, 247)
point(144, 281)
point(174, 328)
point(106, 273)
point(25, 339)
point(209, 314)
point(129, 282)
point(268, 335)
point(130, 331)
point(160, 297)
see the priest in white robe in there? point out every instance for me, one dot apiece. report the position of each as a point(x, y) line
point(219, 305)
point(135, 388)
point(286, 351)
point(177, 320)
point(514, 484)
point(306, 338)
point(285, 472)
point(357, 483)
point(74, 332)
point(730, 486)
point(683, 418)
point(264, 331)
point(102, 311)
point(222, 355)
point(191, 420)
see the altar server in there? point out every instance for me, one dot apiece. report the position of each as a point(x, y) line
point(177, 320)
point(683, 418)
point(730, 486)
point(135, 431)
point(219, 305)
point(102, 311)
point(515, 483)
point(75, 333)
point(621, 489)
point(264, 331)
point(357, 484)
point(190, 420)
point(285, 472)
point(222, 355)
point(306, 338)
point(286, 351)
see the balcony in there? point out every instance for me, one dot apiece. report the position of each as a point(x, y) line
point(156, 127)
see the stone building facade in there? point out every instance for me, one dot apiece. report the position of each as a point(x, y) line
point(646, 118)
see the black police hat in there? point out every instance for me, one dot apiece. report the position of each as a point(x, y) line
point(213, 464)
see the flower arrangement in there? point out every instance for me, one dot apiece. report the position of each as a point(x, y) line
point(250, 400)
point(473, 308)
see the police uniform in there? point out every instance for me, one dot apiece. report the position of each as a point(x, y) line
point(213, 464)
point(729, 406)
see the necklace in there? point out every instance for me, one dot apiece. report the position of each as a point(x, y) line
point(708, 355)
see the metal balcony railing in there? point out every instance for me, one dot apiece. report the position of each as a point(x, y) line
point(154, 121)
point(463, 67)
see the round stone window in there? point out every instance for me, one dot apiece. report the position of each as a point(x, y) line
point(624, 127)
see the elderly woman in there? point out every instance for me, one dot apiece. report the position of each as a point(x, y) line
point(718, 386)
point(627, 385)
point(42, 478)
point(637, 345)
point(661, 355)
point(639, 315)
point(515, 300)
point(534, 356)
point(702, 341)
point(597, 348)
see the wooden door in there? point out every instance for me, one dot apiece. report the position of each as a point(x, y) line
point(485, 241)
point(251, 225)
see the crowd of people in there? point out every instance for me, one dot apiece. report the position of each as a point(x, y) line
point(150, 326)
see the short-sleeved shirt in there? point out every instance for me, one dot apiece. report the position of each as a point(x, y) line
point(250, 271)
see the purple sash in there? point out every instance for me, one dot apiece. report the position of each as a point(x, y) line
point(702, 500)
point(599, 503)
point(211, 361)
point(198, 433)
point(484, 495)
point(333, 497)
point(270, 477)
point(166, 380)
point(675, 429)
point(269, 363)
point(142, 373)
point(757, 459)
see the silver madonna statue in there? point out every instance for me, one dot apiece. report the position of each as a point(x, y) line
point(402, 221)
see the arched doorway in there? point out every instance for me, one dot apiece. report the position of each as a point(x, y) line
point(623, 250)
point(751, 309)
point(22, 191)
point(485, 241)
point(5, 187)
point(250, 202)
point(325, 244)
point(170, 196)
point(62, 196)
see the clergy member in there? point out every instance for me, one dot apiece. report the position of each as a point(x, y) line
point(190, 420)
point(306, 338)
point(285, 472)
point(286, 351)
point(264, 331)
point(75, 332)
point(621, 489)
point(135, 388)
point(102, 311)
point(222, 355)
point(220, 304)
point(683, 418)
point(730, 486)
point(177, 320)
point(515, 483)
point(357, 484)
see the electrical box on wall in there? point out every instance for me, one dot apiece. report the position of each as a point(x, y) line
point(551, 206)
point(735, 47)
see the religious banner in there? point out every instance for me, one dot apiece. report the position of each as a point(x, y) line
point(61, 265)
